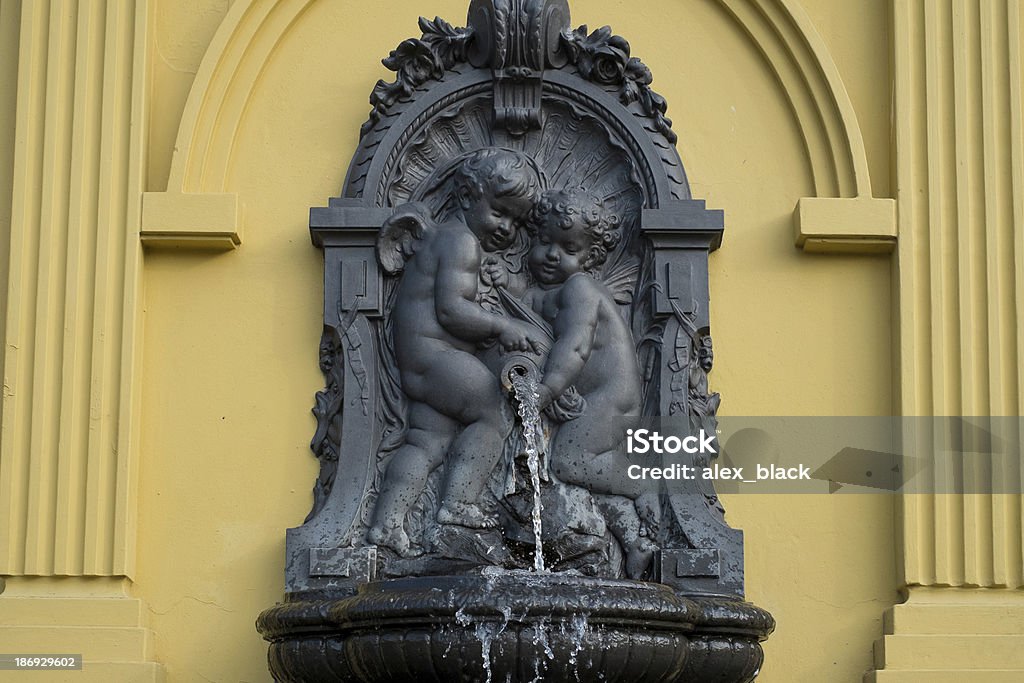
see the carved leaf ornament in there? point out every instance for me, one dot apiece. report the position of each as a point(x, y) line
point(601, 57)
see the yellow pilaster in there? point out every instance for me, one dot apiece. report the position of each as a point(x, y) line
point(69, 450)
point(68, 437)
point(959, 162)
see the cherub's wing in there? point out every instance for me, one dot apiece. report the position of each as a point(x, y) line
point(620, 278)
point(396, 242)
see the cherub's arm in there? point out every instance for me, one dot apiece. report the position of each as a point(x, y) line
point(455, 304)
point(575, 328)
point(455, 291)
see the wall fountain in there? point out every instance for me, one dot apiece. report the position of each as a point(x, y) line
point(515, 274)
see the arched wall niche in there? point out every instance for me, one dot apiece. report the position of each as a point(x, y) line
point(199, 210)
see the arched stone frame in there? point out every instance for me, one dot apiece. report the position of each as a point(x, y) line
point(672, 235)
point(199, 210)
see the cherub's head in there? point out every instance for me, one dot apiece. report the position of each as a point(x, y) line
point(706, 353)
point(496, 189)
point(573, 232)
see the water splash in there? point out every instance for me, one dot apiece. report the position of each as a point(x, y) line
point(579, 626)
point(486, 631)
point(540, 638)
point(524, 386)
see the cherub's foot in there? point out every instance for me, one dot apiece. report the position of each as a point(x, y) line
point(393, 537)
point(648, 508)
point(467, 515)
point(638, 558)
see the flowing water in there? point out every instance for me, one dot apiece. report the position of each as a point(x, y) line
point(527, 404)
point(524, 388)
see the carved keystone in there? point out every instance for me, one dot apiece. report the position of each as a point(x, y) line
point(505, 38)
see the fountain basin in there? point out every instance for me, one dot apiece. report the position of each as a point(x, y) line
point(513, 627)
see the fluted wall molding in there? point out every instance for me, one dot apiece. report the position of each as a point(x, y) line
point(70, 417)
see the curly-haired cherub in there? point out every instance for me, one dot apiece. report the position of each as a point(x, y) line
point(437, 325)
point(593, 350)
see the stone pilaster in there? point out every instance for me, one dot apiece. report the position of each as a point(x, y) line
point(69, 448)
point(959, 163)
point(69, 437)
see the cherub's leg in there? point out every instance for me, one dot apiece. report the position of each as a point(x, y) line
point(588, 452)
point(624, 522)
point(428, 438)
point(473, 396)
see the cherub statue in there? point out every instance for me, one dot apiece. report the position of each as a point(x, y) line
point(437, 326)
point(592, 350)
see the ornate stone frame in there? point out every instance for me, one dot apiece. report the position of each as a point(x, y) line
point(435, 73)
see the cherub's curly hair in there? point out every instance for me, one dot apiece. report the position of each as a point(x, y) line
point(564, 208)
point(501, 171)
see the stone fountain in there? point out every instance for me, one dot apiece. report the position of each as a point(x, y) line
point(515, 275)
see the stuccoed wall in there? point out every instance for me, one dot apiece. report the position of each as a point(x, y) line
point(229, 338)
point(8, 105)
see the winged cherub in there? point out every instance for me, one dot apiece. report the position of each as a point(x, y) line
point(593, 350)
point(437, 326)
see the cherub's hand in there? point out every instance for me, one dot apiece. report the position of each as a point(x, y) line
point(494, 273)
point(544, 396)
point(517, 336)
point(569, 406)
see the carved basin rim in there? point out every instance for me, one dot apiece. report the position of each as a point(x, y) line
point(518, 597)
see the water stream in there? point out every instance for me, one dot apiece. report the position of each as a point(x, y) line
point(527, 400)
point(524, 386)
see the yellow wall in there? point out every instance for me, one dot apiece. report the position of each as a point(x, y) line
point(182, 31)
point(9, 16)
point(229, 338)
